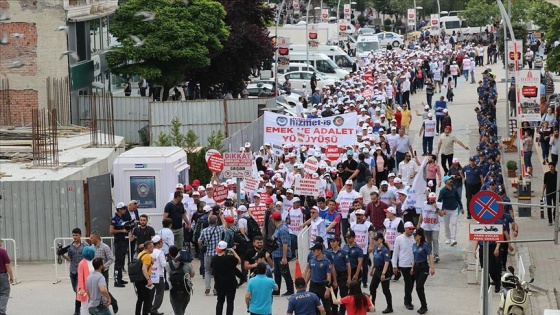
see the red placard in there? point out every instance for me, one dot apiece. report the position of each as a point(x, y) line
point(512, 55)
point(332, 152)
point(220, 193)
point(368, 77)
point(215, 162)
point(258, 213)
point(311, 165)
point(411, 15)
point(312, 35)
point(529, 91)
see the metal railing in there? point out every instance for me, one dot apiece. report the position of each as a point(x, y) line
point(66, 267)
point(14, 258)
point(303, 247)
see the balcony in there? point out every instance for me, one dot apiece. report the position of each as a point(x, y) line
point(79, 8)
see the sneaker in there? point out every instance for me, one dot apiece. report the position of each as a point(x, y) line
point(119, 285)
point(275, 293)
point(287, 293)
point(124, 282)
point(436, 259)
point(422, 310)
point(365, 286)
point(453, 242)
point(387, 310)
point(409, 306)
point(447, 241)
point(549, 223)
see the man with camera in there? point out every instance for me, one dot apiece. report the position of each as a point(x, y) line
point(256, 255)
point(120, 228)
point(143, 232)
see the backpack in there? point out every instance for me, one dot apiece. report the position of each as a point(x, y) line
point(179, 280)
point(135, 270)
point(253, 228)
point(238, 238)
point(368, 170)
point(199, 226)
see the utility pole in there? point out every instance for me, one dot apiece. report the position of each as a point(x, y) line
point(278, 11)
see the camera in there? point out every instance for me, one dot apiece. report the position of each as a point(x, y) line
point(129, 225)
point(228, 203)
point(61, 250)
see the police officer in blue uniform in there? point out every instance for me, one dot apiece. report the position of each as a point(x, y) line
point(473, 181)
point(341, 264)
point(304, 302)
point(494, 259)
point(120, 233)
point(381, 271)
point(319, 275)
point(355, 255)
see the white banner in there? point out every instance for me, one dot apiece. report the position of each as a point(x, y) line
point(283, 53)
point(515, 60)
point(417, 192)
point(527, 86)
point(434, 20)
point(411, 18)
point(295, 4)
point(339, 130)
point(325, 15)
point(306, 187)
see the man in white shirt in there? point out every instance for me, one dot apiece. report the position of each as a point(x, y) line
point(367, 189)
point(405, 88)
point(157, 277)
point(345, 199)
point(407, 170)
point(402, 261)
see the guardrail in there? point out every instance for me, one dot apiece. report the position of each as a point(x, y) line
point(14, 258)
point(303, 247)
point(65, 241)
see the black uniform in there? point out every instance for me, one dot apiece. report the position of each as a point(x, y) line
point(120, 245)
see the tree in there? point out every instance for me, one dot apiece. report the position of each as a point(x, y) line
point(552, 34)
point(520, 32)
point(400, 7)
point(182, 37)
point(247, 47)
point(479, 13)
point(177, 138)
point(163, 140)
point(542, 13)
point(191, 142)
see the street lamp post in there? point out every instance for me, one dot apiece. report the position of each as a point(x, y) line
point(278, 10)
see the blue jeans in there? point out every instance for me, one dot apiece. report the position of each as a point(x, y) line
point(429, 99)
point(4, 292)
point(359, 185)
point(96, 310)
point(466, 74)
point(427, 145)
point(527, 159)
point(74, 280)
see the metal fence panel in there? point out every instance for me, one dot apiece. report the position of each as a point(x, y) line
point(130, 114)
point(34, 212)
point(252, 133)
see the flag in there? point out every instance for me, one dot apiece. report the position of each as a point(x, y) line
point(417, 191)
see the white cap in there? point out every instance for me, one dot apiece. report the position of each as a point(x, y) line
point(349, 182)
point(289, 191)
point(179, 186)
point(397, 180)
point(247, 144)
point(392, 210)
point(445, 110)
point(384, 183)
point(207, 208)
point(408, 225)
point(391, 175)
point(296, 199)
point(402, 192)
point(427, 107)
point(120, 205)
point(360, 211)
point(279, 203)
point(430, 115)
point(156, 239)
point(242, 208)
point(455, 160)
point(222, 245)
point(209, 186)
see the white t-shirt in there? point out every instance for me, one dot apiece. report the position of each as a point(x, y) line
point(345, 199)
point(158, 258)
point(168, 239)
point(430, 218)
point(362, 235)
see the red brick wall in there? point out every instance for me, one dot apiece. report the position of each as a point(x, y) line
point(24, 49)
point(21, 103)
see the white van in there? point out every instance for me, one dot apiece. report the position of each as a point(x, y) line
point(337, 54)
point(321, 62)
point(452, 24)
point(366, 44)
point(301, 66)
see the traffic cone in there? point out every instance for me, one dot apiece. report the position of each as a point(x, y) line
point(298, 270)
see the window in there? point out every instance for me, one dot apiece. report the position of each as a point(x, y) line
point(323, 66)
point(293, 76)
point(389, 35)
point(96, 35)
point(342, 61)
point(306, 75)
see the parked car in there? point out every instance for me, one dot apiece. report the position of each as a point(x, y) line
point(390, 38)
point(255, 89)
point(298, 78)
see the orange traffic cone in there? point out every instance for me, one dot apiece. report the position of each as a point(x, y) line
point(298, 270)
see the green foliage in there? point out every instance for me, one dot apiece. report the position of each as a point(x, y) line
point(177, 138)
point(542, 14)
point(215, 140)
point(552, 34)
point(511, 165)
point(163, 140)
point(181, 38)
point(520, 32)
point(199, 169)
point(400, 7)
point(479, 13)
point(191, 141)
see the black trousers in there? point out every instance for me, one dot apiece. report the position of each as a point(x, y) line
point(470, 191)
point(145, 298)
point(446, 162)
point(494, 264)
point(319, 289)
point(343, 289)
point(421, 273)
point(406, 98)
point(550, 212)
point(375, 281)
point(114, 302)
point(121, 247)
point(408, 284)
point(222, 296)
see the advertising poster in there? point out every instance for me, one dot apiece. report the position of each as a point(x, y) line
point(515, 60)
point(411, 18)
point(528, 102)
point(143, 190)
point(283, 53)
point(342, 28)
point(339, 130)
point(313, 40)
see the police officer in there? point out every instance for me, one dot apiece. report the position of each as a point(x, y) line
point(319, 273)
point(120, 233)
point(341, 264)
point(494, 261)
point(355, 255)
point(381, 271)
point(304, 302)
